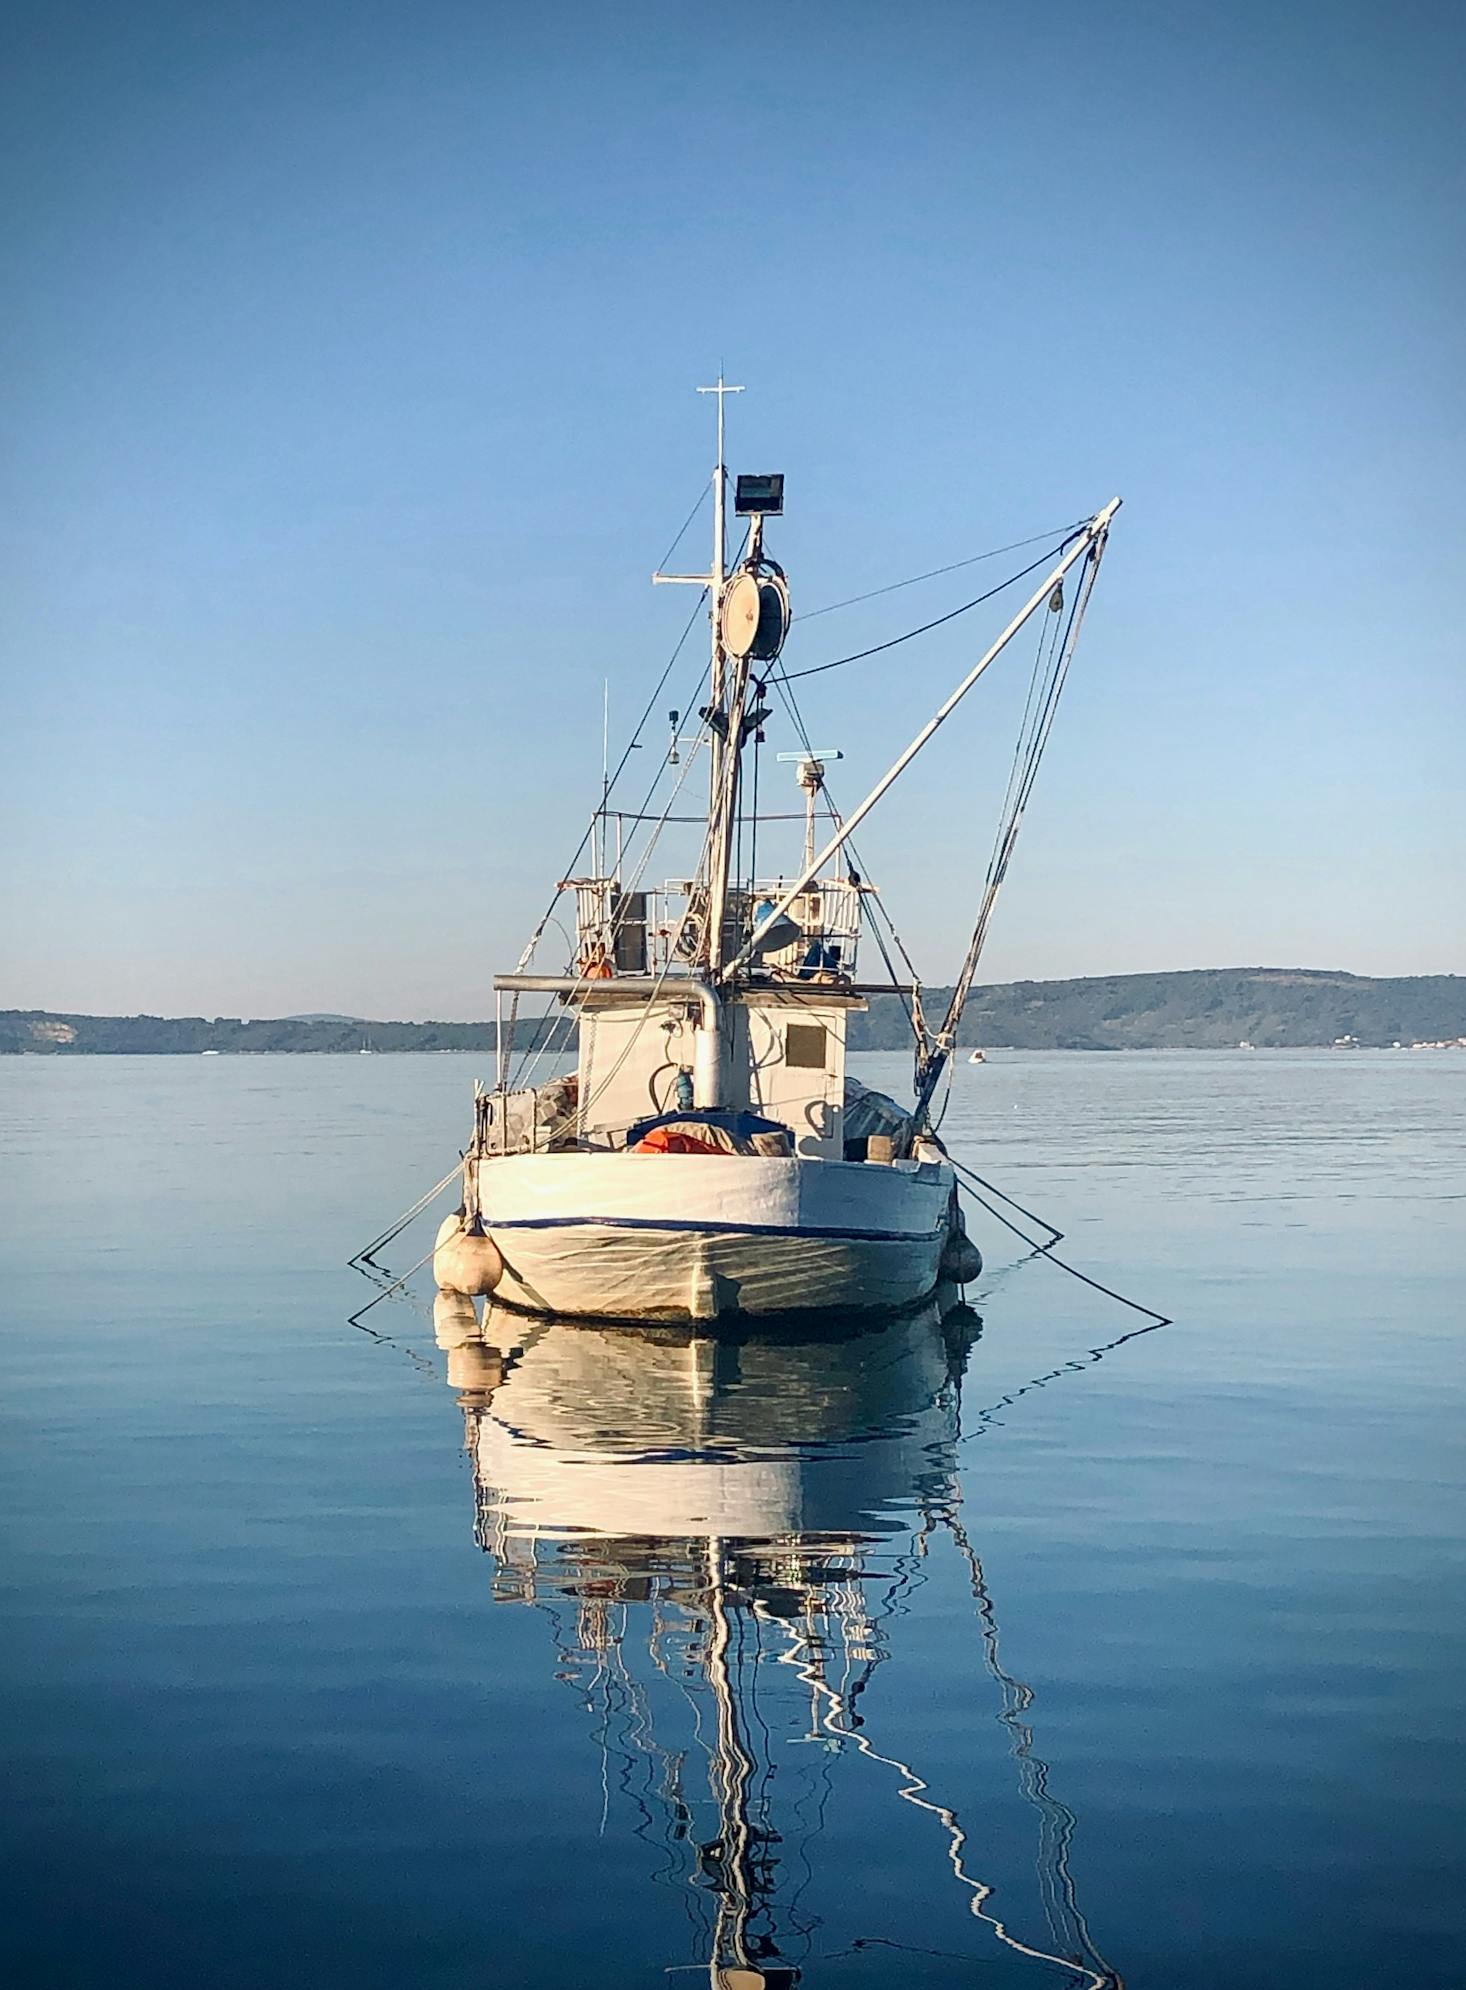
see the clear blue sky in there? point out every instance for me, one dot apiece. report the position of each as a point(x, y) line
point(349, 355)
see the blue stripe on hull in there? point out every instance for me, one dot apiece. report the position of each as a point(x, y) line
point(715, 1229)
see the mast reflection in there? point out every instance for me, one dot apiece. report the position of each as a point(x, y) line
point(716, 1501)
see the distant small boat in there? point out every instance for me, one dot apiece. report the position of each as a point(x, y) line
point(978, 1057)
point(1245, 1045)
point(208, 1053)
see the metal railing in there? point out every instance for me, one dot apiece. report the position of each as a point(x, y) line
point(641, 932)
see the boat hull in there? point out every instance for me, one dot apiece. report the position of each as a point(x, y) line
point(700, 1237)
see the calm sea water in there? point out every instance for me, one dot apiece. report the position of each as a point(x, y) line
point(961, 1653)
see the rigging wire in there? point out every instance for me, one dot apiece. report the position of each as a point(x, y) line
point(1068, 1926)
point(609, 785)
point(836, 1719)
point(546, 1043)
point(1043, 656)
point(597, 1092)
point(791, 705)
point(1050, 660)
point(631, 746)
point(1054, 676)
point(1014, 546)
point(572, 1010)
point(856, 656)
point(702, 498)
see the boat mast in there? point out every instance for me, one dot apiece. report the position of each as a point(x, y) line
point(720, 558)
point(723, 719)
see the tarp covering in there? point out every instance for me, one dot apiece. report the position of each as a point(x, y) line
point(867, 1112)
point(710, 1130)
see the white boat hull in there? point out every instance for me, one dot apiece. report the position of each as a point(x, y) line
point(701, 1237)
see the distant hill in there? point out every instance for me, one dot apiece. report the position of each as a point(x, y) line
point(36, 1030)
point(1198, 1009)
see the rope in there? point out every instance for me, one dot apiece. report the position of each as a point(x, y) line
point(547, 1045)
point(354, 1319)
point(1065, 532)
point(1051, 669)
point(1056, 1236)
point(837, 1720)
point(573, 1010)
point(365, 1257)
point(989, 1418)
point(1068, 1928)
point(856, 656)
point(702, 498)
point(791, 705)
point(600, 1091)
point(631, 745)
point(1047, 1250)
point(912, 1009)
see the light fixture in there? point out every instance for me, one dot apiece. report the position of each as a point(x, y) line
point(761, 495)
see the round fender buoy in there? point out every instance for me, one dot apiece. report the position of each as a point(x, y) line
point(961, 1259)
point(464, 1263)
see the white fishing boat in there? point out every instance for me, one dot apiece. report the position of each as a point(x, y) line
point(978, 1057)
point(708, 1155)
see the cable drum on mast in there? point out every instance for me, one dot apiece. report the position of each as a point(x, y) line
point(756, 615)
point(774, 614)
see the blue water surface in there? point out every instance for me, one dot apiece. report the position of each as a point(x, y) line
point(962, 1652)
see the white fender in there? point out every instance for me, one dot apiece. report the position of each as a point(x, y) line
point(465, 1264)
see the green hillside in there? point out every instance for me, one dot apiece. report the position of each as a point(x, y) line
point(37, 1030)
point(1200, 1009)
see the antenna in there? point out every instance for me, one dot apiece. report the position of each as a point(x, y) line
point(605, 767)
point(811, 776)
point(720, 482)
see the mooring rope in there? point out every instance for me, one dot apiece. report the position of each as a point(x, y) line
point(365, 1257)
point(1047, 1250)
point(397, 1285)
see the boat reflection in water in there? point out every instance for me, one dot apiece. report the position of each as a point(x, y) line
point(691, 1511)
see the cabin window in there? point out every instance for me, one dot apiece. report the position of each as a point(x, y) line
point(804, 1046)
